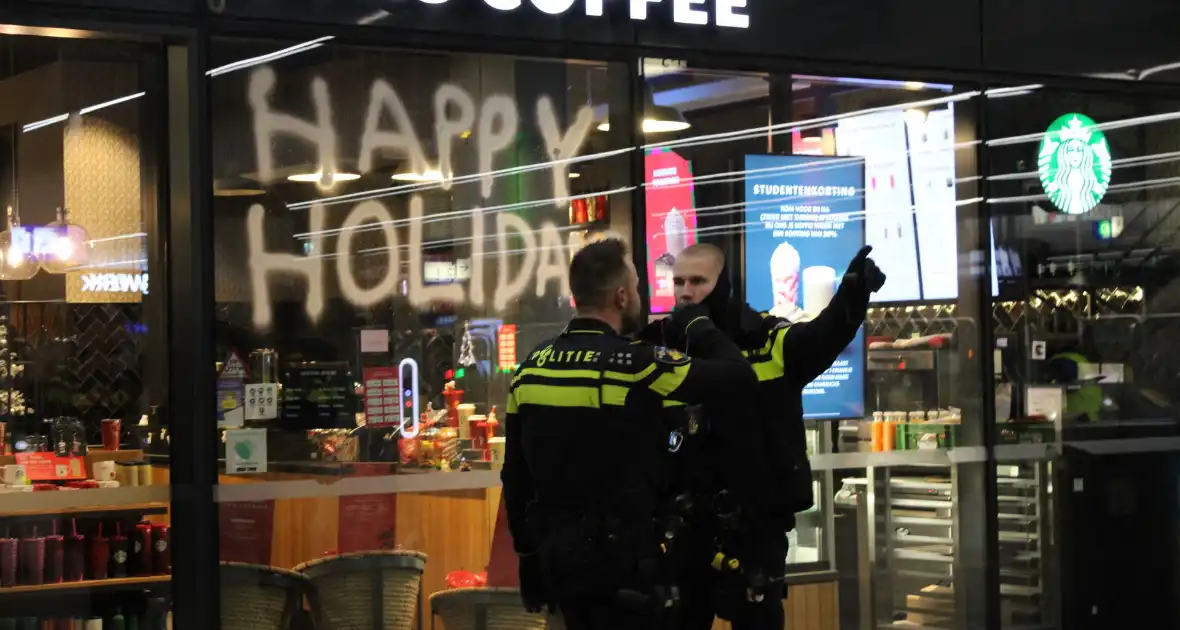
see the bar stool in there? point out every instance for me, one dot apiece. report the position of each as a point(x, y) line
point(483, 608)
point(259, 597)
point(369, 590)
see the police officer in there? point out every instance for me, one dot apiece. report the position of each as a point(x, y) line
point(585, 462)
point(787, 354)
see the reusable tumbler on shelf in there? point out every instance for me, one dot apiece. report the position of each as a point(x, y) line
point(141, 549)
point(54, 557)
point(161, 550)
point(75, 555)
point(8, 561)
point(31, 559)
point(110, 433)
point(119, 553)
point(100, 556)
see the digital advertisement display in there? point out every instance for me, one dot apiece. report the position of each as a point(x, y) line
point(671, 221)
point(804, 222)
point(910, 198)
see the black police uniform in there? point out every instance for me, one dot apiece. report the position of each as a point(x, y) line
point(786, 357)
point(585, 468)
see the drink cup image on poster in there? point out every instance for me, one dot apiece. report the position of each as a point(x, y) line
point(671, 221)
point(804, 222)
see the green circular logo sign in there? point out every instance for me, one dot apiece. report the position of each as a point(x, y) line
point(1074, 163)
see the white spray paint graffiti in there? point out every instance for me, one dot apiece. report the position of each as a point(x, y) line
point(543, 259)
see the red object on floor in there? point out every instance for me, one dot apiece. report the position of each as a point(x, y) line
point(503, 566)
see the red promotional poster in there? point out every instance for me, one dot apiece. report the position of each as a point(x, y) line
point(382, 398)
point(506, 342)
point(671, 221)
point(367, 522)
point(246, 529)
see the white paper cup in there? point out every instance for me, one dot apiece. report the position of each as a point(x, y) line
point(819, 287)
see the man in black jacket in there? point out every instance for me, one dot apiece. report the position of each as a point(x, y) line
point(786, 356)
point(586, 453)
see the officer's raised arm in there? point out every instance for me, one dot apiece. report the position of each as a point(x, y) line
point(713, 370)
point(806, 349)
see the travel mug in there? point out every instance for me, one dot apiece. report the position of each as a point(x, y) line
point(54, 559)
point(141, 549)
point(100, 557)
point(119, 554)
point(75, 555)
point(161, 550)
point(8, 561)
point(32, 559)
point(110, 433)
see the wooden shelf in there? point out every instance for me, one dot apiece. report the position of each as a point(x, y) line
point(129, 583)
point(89, 511)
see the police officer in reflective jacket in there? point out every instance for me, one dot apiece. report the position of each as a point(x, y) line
point(733, 564)
point(585, 471)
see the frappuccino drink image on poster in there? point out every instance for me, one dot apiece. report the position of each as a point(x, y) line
point(1074, 163)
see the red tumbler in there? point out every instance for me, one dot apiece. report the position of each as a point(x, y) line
point(161, 550)
point(8, 561)
point(141, 549)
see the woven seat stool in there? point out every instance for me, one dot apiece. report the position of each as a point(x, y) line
point(258, 597)
point(368, 590)
point(483, 608)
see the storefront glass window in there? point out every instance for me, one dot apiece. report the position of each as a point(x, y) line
point(791, 175)
point(1082, 198)
point(392, 234)
point(84, 500)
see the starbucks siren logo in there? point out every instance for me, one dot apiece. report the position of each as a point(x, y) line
point(1074, 163)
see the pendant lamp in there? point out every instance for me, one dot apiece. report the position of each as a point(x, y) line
point(69, 247)
point(16, 251)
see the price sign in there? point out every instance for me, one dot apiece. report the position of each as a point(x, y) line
point(506, 344)
point(382, 396)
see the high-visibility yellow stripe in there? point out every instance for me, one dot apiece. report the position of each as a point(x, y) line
point(614, 395)
point(556, 396)
point(768, 370)
point(776, 350)
point(667, 382)
point(512, 402)
point(551, 373)
point(672, 403)
point(631, 378)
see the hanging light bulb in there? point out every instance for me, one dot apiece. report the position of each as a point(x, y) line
point(69, 247)
point(16, 251)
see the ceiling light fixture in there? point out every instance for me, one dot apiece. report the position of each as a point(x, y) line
point(429, 175)
point(660, 119)
point(656, 118)
point(53, 120)
point(313, 178)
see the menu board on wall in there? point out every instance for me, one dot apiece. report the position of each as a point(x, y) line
point(671, 221)
point(804, 222)
point(318, 396)
point(932, 161)
point(910, 198)
point(880, 138)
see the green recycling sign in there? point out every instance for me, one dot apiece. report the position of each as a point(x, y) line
point(1074, 163)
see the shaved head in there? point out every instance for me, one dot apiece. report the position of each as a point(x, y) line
point(706, 250)
point(696, 271)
